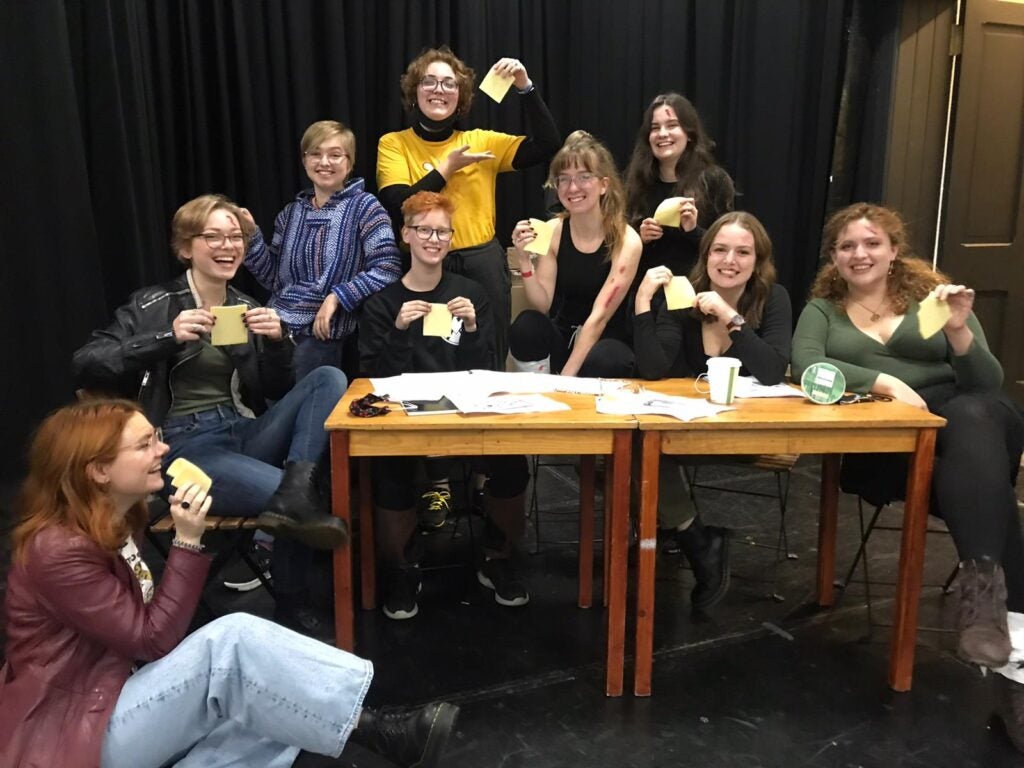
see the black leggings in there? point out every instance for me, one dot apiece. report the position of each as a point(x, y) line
point(393, 478)
point(535, 336)
point(977, 456)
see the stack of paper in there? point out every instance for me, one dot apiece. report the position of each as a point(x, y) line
point(508, 404)
point(653, 403)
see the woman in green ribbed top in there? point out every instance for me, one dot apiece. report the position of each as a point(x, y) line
point(863, 318)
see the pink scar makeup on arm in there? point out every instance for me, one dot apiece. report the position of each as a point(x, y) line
point(611, 298)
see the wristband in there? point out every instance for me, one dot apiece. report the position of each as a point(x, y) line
point(185, 545)
point(526, 90)
point(526, 274)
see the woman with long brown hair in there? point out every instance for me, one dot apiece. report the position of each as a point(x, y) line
point(82, 609)
point(864, 318)
point(741, 312)
point(576, 291)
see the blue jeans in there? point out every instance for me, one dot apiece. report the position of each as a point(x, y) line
point(241, 691)
point(244, 457)
point(311, 353)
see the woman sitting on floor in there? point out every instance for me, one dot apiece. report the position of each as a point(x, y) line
point(204, 397)
point(740, 312)
point(393, 342)
point(864, 318)
point(82, 609)
point(577, 324)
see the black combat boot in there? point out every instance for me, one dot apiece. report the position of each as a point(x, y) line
point(981, 615)
point(408, 737)
point(297, 511)
point(707, 549)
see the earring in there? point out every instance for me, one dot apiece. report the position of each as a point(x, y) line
point(892, 266)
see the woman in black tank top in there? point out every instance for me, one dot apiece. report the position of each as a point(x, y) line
point(576, 289)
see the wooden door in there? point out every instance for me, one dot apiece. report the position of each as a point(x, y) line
point(983, 243)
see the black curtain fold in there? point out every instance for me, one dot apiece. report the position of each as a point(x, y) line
point(120, 110)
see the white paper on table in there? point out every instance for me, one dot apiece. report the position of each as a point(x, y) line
point(523, 403)
point(748, 386)
point(419, 386)
point(656, 404)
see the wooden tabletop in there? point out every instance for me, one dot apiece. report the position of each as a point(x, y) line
point(582, 416)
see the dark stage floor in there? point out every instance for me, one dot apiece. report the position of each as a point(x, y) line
point(760, 682)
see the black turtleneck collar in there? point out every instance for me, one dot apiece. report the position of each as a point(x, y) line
point(432, 130)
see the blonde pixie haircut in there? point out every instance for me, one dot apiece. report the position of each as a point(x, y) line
point(321, 131)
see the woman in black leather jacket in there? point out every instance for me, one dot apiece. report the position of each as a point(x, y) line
point(211, 401)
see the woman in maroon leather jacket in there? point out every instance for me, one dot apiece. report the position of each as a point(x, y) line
point(82, 610)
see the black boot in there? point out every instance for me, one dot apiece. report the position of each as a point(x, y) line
point(981, 616)
point(407, 737)
point(707, 549)
point(296, 510)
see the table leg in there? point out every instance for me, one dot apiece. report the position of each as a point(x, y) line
point(606, 535)
point(911, 568)
point(586, 558)
point(344, 623)
point(650, 458)
point(827, 527)
point(367, 556)
point(617, 538)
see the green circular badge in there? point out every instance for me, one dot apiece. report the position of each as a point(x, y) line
point(823, 383)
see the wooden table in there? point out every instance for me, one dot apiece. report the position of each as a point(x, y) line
point(580, 431)
point(792, 425)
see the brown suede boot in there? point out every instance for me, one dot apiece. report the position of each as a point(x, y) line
point(1010, 708)
point(981, 616)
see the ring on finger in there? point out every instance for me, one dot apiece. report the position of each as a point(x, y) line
point(185, 505)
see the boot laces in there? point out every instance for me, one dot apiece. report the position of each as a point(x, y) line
point(438, 500)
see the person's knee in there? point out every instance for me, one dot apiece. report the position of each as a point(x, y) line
point(330, 379)
point(528, 336)
point(609, 358)
point(509, 477)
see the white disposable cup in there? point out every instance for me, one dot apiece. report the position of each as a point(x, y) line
point(721, 378)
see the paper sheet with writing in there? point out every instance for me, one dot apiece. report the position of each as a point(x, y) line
point(229, 328)
point(679, 294)
point(438, 321)
point(183, 472)
point(544, 231)
point(480, 383)
point(495, 85)
point(932, 315)
point(667, 213)
point(748, 386)
point(657, 404)
point(524, 403)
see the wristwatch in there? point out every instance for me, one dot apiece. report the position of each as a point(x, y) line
point(736, 322)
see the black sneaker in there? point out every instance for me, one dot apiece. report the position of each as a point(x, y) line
point(414, 738)
point(500, 575)
point(433, 508)
point(260, 553)
point(304, 620)
point(404, 584)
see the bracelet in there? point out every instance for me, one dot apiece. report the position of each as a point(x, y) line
point(526, 90)
point(186, 545)
point(526, 274)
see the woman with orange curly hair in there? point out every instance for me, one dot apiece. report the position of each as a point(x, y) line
point(434, 156)
point(82, 609)
point(863, 318)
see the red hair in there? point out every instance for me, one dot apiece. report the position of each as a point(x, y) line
point(424, 202)
point(58, 489)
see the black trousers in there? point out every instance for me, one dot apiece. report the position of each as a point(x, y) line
point(535, 336)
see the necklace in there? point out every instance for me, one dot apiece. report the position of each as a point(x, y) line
point(875, 313)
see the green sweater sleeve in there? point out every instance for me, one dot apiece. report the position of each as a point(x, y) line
point(977, 368)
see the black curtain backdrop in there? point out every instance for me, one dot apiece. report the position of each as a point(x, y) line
point(117, 111)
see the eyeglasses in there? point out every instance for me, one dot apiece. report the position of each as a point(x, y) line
point(146, 444)
point(217, 239)
point(448, 84)
point(444, 234)
point(364, 407)
point(853, 399)
point(582, 179)
point(334, 158)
